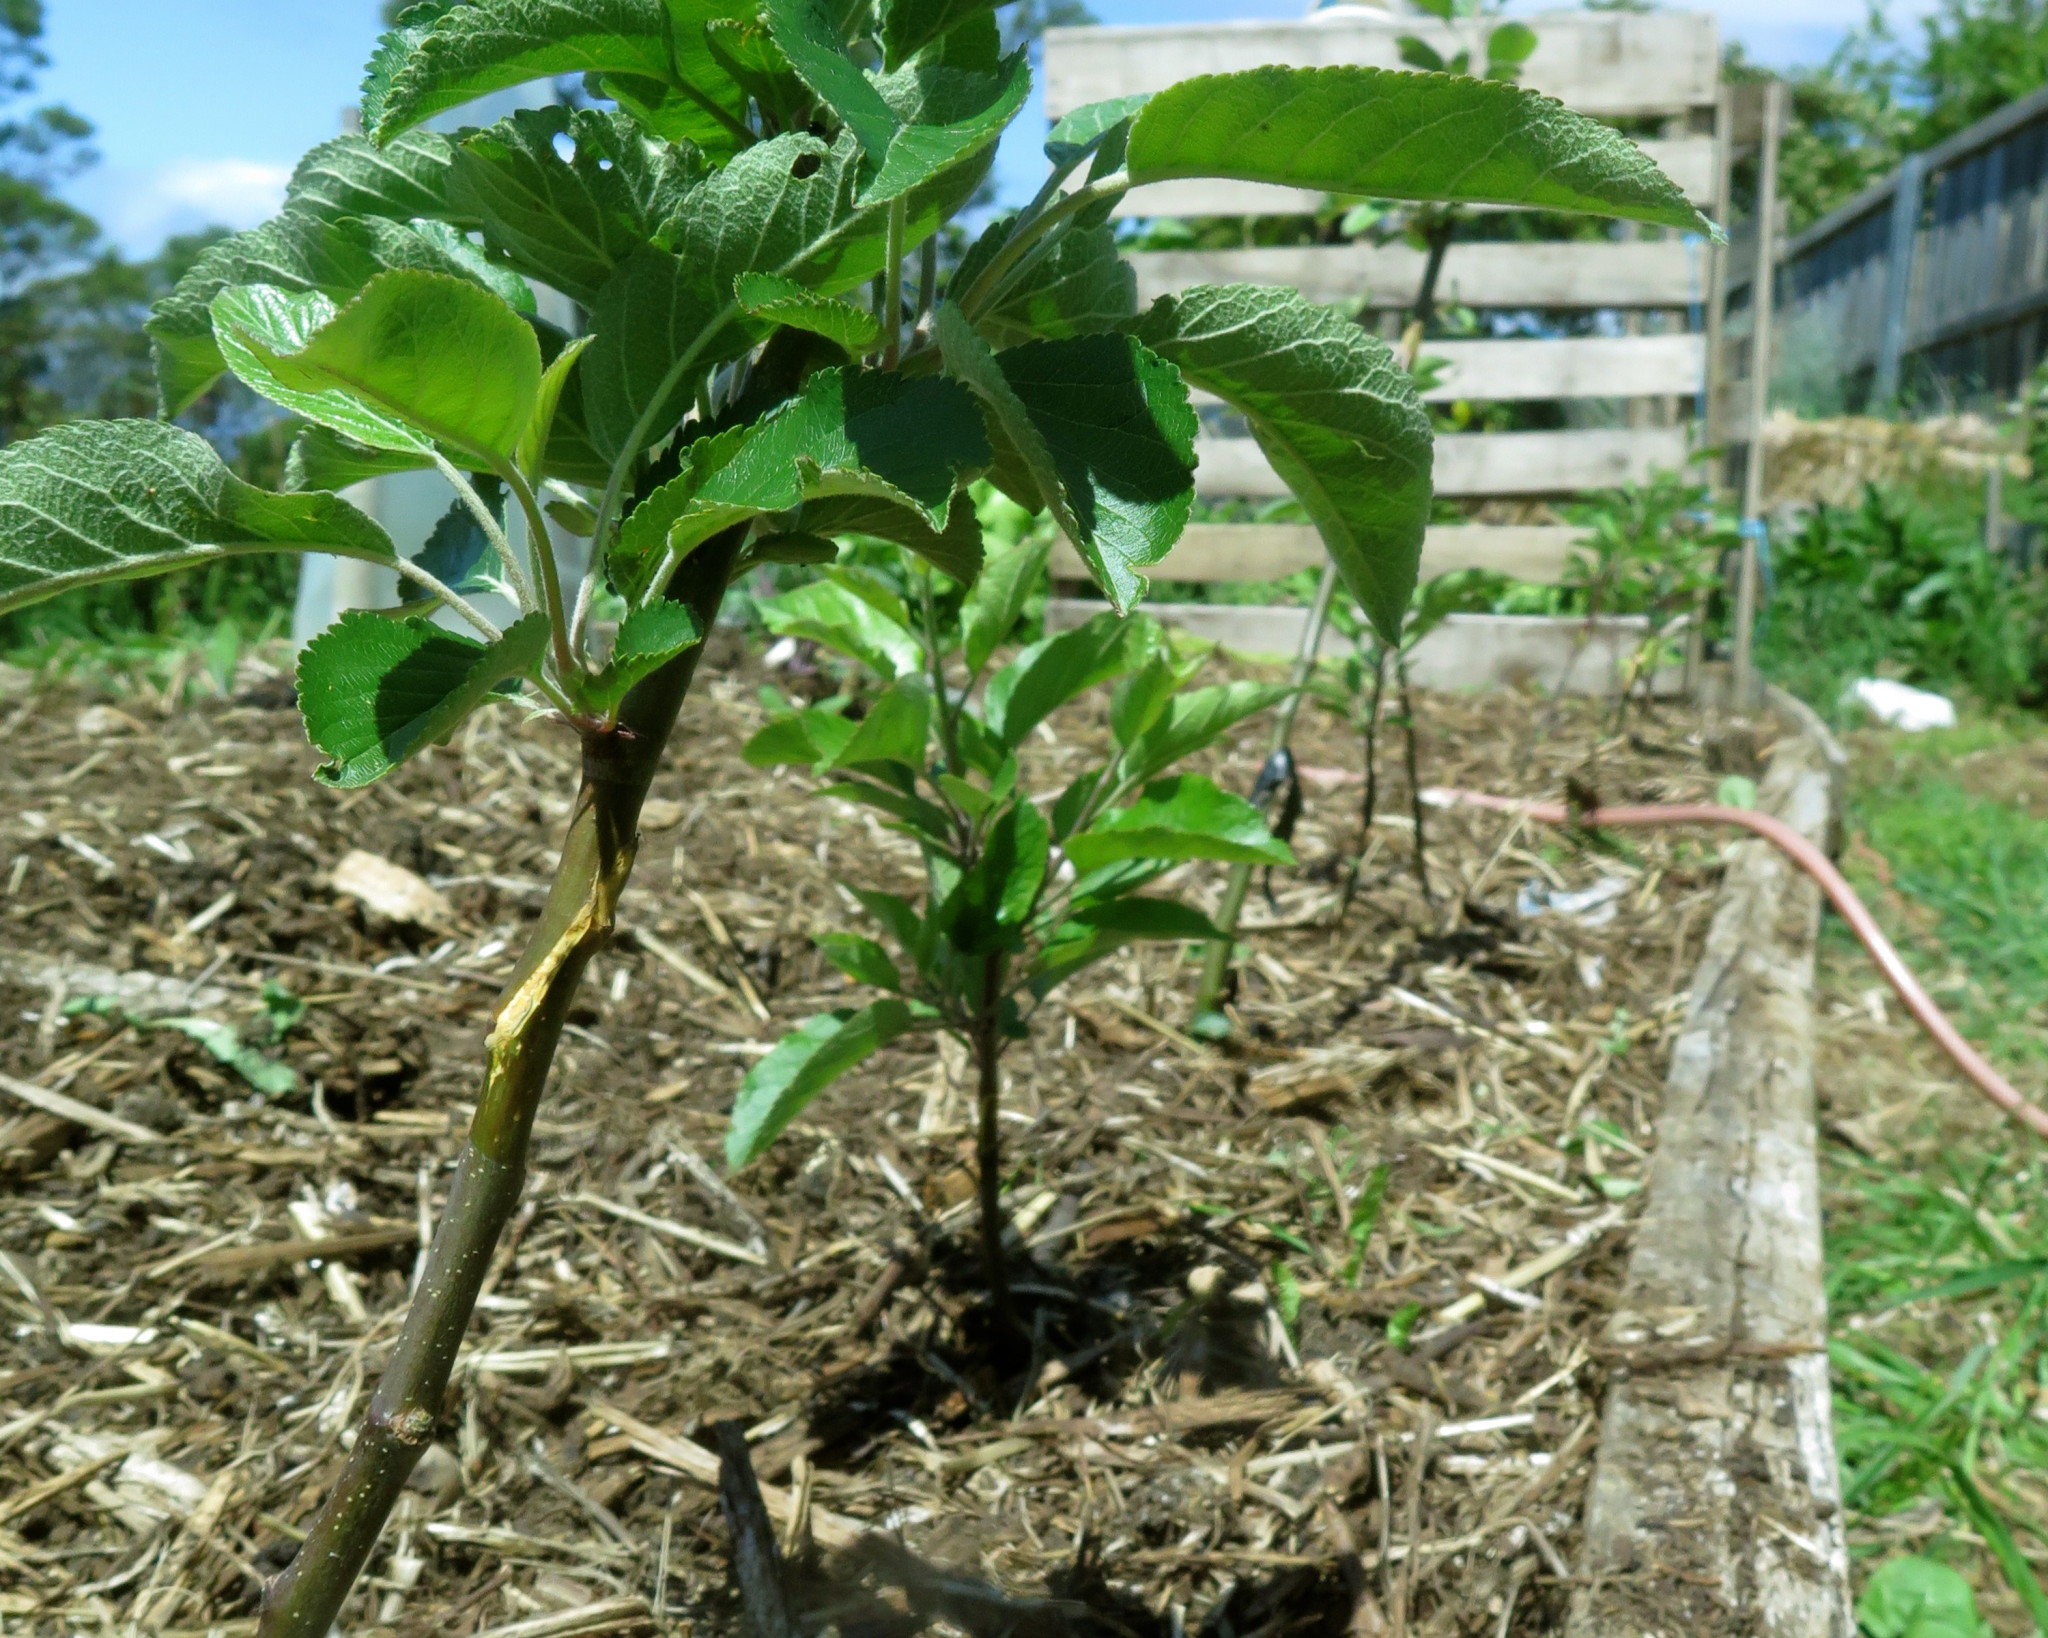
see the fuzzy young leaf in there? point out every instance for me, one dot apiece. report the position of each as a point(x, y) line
point(111, 500)
point(949, 115)
point(910, 443)
point(570, 222)
point(1193, 720)
point(1117, 419)
point(996, 601)
point(491, 44)
point(861, 959)
point(352, 176)
point(776, 300)
point(1386, 134)
point(808, 32)
point(806, 1061)
point(648, 639)
point(1183, 817)
point(374, 692)
point(298, 250)
point(417, 358)
point(1081, 286)
point(1335, 414)
point(1053, 670)
point(531, 456)
point(954, 550)
point(323, 459)
point(908, 26)
point(1078, 133)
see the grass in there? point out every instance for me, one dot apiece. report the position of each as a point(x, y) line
point(1937, 1256)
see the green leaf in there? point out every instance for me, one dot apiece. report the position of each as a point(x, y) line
point(1184, 817)
point(353, 176)
point(1387, 134)
point(949, 115)
point(828, 613)
point(458, 553)
point(111, 500)
point(907, 442)
point(1147, 918)
point(1913, 1597)
point(298, 250)
point(894, 729)
point(954, 550)
point(1193, 720)
point(531, 455)
point(648, 639)
point(375, 691)
point(805, 1062)
point(1138, 699)
point(321, 459)
point(267, 1075)
point(571, 222)
point(808, 32)
point(998, 894)
point(1117, 419)
point(776, 300)
point(996, 601)
point(908, 26)
point(808, 737)
point(1055, 669)
point(1079, 133)
point(1105, 435)
point(786, 206)
point(1335, 414)
point(1080, 286)
point(488, 45)
point(861, 959)
point(416, 358)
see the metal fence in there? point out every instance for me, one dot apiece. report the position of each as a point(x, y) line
point(1930, 286)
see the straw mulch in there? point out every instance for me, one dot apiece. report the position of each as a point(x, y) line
point(1216, 1435)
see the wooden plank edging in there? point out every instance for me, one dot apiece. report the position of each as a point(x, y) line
point(1716, 1501)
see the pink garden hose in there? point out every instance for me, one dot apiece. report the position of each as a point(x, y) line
point(1840, 894)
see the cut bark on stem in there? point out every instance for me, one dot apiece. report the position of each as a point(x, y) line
point(596, 860)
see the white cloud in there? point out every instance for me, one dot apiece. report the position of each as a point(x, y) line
point(139, 209)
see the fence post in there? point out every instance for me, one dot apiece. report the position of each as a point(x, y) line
point(1762, 300)
point(1898, 278)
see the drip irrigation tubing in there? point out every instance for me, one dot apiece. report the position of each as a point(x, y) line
point(1840, 894)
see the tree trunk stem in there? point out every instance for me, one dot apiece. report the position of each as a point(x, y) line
point(597, 859)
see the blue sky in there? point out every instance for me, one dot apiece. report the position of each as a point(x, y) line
point(203, 105)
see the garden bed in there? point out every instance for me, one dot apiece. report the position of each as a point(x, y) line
point(1219, 1434)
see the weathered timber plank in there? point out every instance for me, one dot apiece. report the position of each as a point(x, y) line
point(1688, 161)
point(1569, 367)
point(1480, 463)
point(1535, 552)
point(1611, 63)
point(1716, 1504)
point(1489, 274)
point(1467, 652)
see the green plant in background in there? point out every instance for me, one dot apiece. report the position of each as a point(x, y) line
point(1023, 889)
point(766, 365)
point(1652, 548)
point(1901, 585)
point(1914, 1597)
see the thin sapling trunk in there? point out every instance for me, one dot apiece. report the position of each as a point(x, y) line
point(1414, 775)
point(1369, 802)
point(596, 860)
point(987, 1047)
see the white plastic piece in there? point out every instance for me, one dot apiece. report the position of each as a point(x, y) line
point(1911, 710)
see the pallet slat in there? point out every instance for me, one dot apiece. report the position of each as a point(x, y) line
point(1572, 367)
point(1613, 63)
point(1473, 464)
point(1688, 161)
point(1538, 553)
point(1642, 273)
